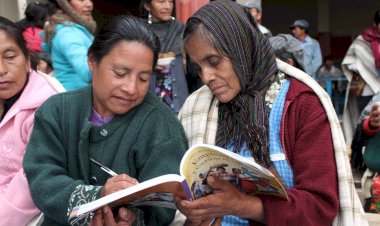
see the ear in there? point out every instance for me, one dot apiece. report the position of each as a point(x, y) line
point(28, 64)
point(91, 63)
point(147, 7)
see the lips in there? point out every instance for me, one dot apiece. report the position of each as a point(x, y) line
point(5, 84)
point(123, 99)
point(215, 89)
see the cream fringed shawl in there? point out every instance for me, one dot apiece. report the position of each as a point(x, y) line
point(199, 117)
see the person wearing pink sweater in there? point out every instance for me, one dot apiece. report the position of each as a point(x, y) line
point(22, 91)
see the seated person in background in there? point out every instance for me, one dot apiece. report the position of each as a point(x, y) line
point(22, 91)
point(290, 138)
point(328, 69)
point(116, 121)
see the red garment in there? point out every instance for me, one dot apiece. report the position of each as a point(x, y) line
point(33, 39)
point(367, 130)
point(375, 196)
point(371, 35)
point(306, 136)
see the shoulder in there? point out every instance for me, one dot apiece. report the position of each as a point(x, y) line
point(153, 106)
point(202, 93)
point(153, 116)
point(304, 99)
point(314, 41)
point(37, 90)
point(76, 99)
point(69, 31)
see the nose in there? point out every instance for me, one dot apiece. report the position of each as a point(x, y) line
point(3, 68)
point(207, 75)
point(167, 4)
point(129, 85)
point(89, 4)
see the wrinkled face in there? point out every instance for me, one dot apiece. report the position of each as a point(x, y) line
point(83, 8)
point(121, 79)
point(14, 67)
point(161, 10)
point(216, 71)
point(298, 32)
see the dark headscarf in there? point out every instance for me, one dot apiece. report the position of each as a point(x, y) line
point(245, 118)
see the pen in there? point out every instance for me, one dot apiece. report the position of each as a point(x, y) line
point(104, 168)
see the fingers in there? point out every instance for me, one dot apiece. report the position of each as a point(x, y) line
point(217, 184)
point(126, 216)
point(97, 219)
point(108, 218)
point(374, 117)
point(218, 221)
point(118, 183)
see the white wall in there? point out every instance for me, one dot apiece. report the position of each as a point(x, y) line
point(8, 9)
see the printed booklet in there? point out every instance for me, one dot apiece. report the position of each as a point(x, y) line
point(199, 162)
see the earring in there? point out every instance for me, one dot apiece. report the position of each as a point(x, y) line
point(172, 18)
point(149, 18)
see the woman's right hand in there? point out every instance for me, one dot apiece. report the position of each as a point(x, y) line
point(118, 183)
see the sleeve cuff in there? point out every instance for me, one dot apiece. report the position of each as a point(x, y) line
point(367, 130)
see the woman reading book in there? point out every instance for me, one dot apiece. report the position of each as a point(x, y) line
point(271, 112)
point(114, 123)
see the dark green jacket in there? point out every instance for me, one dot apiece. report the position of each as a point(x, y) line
point(146, 142)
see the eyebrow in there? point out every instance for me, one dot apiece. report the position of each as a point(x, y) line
point(122, 67)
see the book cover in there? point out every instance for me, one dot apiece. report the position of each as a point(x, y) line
point(204, 160)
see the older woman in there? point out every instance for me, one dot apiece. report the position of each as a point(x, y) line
point(68, 35)
point(22, 91)
point(290, 133)
point(115, 121)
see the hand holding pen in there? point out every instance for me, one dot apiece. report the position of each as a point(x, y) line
point(116, 182)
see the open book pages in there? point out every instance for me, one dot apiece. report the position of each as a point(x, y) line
point(199, 162)
point(204, 160)
point(159, 191)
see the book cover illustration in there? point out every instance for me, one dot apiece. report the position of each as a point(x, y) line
point(204, 160)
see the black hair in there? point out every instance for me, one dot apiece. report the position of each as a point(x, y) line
point(376, 17)
point(35, 16)
point(328, 57)
point(143, 12)
point(45, 57)
point(14, 32)
point(127, 28)
point(52, 7)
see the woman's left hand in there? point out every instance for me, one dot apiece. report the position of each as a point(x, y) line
point(374, 117)
point(104, 217)
point(226, 199)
